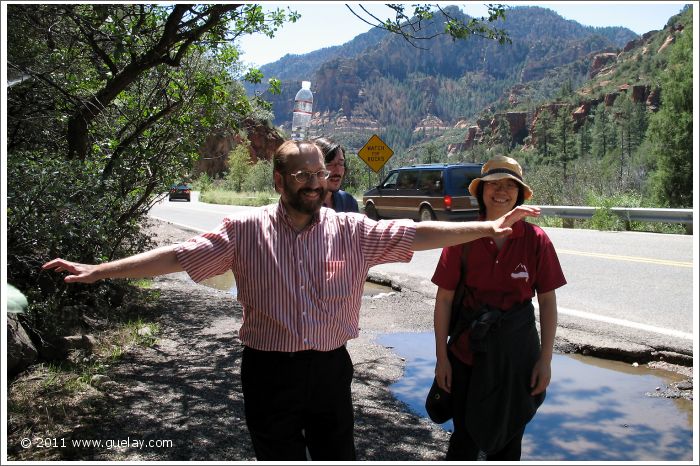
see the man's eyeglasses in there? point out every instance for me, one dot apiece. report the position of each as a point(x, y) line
point(305, 177)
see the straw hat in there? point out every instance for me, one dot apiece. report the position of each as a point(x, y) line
point(498, 168)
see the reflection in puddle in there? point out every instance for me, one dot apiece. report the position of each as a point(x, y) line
point(596, 410)
point(224, 282)
point(375, 290)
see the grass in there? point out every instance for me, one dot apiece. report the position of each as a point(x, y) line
point(142, 333)
point(603, 220)
point(65, 377)
point(548, 221)
point(50, 399)
point(75, 373)
point(219, 196)
point(606, 221)
point(143, 283)
point(133, 333)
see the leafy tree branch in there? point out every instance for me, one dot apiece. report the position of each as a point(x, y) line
point(415, 27)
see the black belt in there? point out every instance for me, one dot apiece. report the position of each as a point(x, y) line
point(304, 354)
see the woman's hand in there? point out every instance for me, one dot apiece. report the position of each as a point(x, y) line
point(443, 374)
point(541, 376)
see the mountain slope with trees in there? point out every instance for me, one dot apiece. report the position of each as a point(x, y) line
point(594, 106)
point(623, 137)
point(398, 84)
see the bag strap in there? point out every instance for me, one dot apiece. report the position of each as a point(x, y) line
point(459, 291)
point(465, 254)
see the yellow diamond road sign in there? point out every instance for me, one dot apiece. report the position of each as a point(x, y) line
point(375, 153)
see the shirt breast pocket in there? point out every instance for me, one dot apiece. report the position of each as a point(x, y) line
point(337, 284)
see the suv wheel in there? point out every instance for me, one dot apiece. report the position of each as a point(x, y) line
point(426, 214)
point(371, 212)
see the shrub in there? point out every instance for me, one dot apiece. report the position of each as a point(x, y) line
point(259, 178)
point(63, 208)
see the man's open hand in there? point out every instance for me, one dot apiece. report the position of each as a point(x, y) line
point(79, 273)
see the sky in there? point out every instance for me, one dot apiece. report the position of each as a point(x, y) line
point(324, 24)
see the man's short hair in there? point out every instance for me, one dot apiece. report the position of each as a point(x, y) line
point(289, 148)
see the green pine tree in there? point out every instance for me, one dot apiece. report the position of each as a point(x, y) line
point(671, 128)
point(564, 140)
point(602, 133)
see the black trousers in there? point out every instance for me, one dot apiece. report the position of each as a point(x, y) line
point(299, 401)
point(462, 446)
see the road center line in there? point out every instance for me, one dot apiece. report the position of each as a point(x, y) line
point(626, 258)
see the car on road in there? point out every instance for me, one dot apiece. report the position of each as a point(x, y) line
point(179, 191)
point(425, 192)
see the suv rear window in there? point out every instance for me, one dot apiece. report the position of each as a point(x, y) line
point(430, 180)
point(460, 177)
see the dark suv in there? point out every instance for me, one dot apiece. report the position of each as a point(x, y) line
point(425, 192)
point(179, 191)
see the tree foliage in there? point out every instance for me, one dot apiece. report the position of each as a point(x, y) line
point(411, 25)
point(671, 128)
point(95, 52)
point(259, 178)
point(239, 167)
point(108, 106)
point(564, 141)
point(602, 133)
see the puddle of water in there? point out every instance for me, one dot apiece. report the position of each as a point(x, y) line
point(374, 290)
point(224, 282)
point(227, 282)
point(595, 410)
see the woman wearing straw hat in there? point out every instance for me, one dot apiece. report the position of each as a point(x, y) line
point(493, 364)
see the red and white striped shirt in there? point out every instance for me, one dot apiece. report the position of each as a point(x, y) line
point(299, 290)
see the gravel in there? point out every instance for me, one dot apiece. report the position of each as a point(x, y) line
point(186, 389)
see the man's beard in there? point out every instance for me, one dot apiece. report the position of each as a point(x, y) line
point(297, 202)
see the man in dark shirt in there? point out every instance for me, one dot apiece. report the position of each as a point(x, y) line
point(334, 158)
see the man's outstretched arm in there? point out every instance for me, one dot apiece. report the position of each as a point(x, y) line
point(433, 235)
point(159, 261)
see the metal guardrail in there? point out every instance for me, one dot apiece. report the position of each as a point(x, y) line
point(638, 214)
point(627, 214)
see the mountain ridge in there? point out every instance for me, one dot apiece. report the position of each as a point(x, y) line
point(379, 83)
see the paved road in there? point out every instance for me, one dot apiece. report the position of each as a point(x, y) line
point(624, 288)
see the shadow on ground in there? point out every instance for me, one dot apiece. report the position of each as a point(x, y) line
point(181, 399)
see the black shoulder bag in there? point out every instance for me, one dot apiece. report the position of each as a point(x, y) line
point(438, 403)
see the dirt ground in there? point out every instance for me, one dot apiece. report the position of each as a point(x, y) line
point(180, 399)
point(182, 396)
